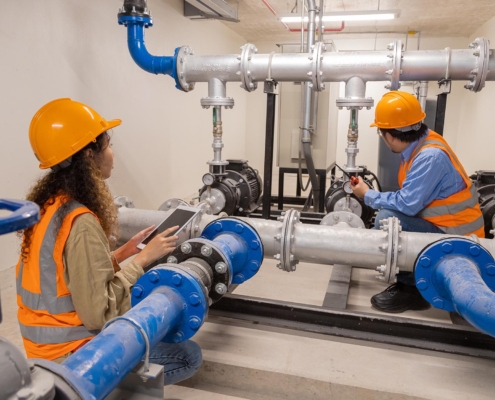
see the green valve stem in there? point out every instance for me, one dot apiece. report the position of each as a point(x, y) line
point(353, 119)
point(214, 116)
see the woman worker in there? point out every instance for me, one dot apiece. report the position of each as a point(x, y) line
point(69, 282)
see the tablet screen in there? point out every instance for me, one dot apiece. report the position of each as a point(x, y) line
point(178, 217)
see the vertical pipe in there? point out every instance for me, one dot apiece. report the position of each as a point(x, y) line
point(269, 139)
point(103, 362)
point(306, 106)
point(423, 93)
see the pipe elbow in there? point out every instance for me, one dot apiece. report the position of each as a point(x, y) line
point(141, 56)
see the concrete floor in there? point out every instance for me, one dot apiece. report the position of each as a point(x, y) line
point(248, 361)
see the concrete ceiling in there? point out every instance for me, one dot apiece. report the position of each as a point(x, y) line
point(434, 18)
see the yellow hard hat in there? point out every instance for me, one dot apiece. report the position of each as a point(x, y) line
point(62, 127)
point(398, 110)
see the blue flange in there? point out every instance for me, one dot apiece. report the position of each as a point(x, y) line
point(126, 19)
point(431, 284)
point(195, 303)
point(240, 242)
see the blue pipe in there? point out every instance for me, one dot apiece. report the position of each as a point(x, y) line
point(240, 243)
point(98, 367)
point(24, 214)
point(470, 295)
point(166, 65)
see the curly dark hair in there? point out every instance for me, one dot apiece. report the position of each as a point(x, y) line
point(80, 181)
point(409, 136)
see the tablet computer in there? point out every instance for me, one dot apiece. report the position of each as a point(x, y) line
point(180, 216)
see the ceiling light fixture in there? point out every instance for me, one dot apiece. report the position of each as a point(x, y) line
point(345, 16)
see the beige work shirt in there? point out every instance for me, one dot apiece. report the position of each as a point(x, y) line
point(98, 293)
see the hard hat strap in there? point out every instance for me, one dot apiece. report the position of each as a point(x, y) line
point(415, 127)
point(62, 165)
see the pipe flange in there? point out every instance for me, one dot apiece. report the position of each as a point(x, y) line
point(214, 257)
point(173, 203)
point(344, 218)
point(350, 102)
point(247, 82)
point(182, 55)
point(123, 201)
point(186, 284)
point(396, 70)
point(482, 52)
point(388, 272)
point(316, 73)
point(243, 270)
point(227, 102)
point(286, 237)
point(430, 286)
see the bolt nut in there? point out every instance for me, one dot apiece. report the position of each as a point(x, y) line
point(177, 279)
point(194, 299)
point(153, 276)
point(172, 260)
point(221, 267)
point(425, 262)
point(194, 323)
point(422, 284)
point(206, 251)
point(186, 248)
point(447, 247)
point(239, 228)
point(438, 303)
point(474, 251)
point(220, 288)
point(490, 269)
point(137, 291)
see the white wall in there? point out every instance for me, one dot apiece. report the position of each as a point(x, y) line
point(73, 48)
point(476, 133)
point(368, 140)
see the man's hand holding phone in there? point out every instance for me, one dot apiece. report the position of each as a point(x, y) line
point(159, 246)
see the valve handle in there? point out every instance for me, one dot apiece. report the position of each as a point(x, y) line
point(24, 214)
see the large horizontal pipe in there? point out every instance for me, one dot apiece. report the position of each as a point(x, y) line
point(424, 65)
point(312, 243)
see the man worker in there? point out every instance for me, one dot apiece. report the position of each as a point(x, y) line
point(435, 196)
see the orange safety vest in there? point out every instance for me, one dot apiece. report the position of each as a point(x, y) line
point(458, 214)
point(50, 326)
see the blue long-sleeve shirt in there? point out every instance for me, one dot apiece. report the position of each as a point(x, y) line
point(432, 176)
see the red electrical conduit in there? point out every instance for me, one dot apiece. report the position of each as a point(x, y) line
point(265, 2)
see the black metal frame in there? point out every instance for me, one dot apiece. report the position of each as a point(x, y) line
point(454, 339)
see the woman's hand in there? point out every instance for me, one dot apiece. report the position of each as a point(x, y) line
point(159, 246)
point(129, 249)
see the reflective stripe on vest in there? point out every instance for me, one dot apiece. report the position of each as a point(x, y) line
point(436, 211)
point(52, 335)
point(465, 229)
point(47, 300)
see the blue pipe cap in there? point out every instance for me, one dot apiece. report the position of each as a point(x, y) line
point(431, 285)
point(245, 265)
point(194, 298)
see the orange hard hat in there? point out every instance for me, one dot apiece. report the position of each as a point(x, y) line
point(62, 127)
point(398, 110)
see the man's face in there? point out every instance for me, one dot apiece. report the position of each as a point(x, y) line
point(389, 141)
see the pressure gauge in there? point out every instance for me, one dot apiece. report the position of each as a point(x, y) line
point(347, 187)
point(208, 179)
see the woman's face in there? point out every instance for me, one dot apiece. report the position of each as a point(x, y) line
point(104, 161)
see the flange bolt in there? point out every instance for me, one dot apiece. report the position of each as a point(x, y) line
point(220, 288)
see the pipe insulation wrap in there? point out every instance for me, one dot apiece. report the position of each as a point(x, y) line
point(102, 363)
point(471, 296)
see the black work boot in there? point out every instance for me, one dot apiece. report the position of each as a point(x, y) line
point(398, 298)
